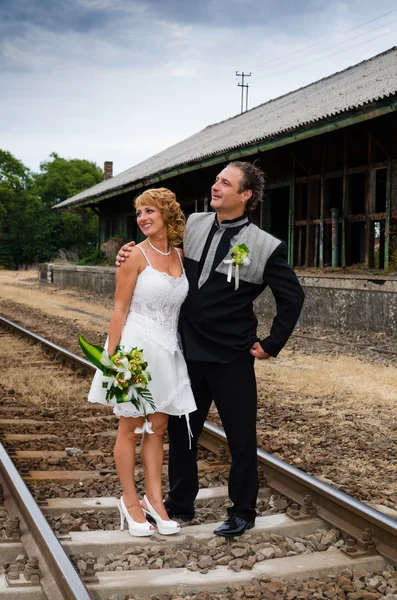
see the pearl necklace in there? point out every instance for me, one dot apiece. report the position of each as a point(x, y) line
point(157, 250)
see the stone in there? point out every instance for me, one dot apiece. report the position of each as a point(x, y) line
point(205, 562)
point(235, 565)
point(251, 560)
point(278, 502)
point(330, 537)
point(225, 560)
point(366, 595)
point(265, 554)
point(239, 552)
point(273, 586)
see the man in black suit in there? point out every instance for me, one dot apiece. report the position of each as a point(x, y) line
point(218, 331)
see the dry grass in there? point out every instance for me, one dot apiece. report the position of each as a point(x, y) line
point(350, 381)
point(45, 384)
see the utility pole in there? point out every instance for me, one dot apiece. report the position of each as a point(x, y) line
point(246, 86)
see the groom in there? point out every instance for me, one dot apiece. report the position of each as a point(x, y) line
point(218, 330)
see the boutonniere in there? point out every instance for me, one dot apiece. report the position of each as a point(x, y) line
point(239, 256)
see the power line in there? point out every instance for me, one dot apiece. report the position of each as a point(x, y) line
point(321, 57)
point(297, 65)
point(260, 65)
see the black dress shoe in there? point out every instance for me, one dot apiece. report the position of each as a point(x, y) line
point(234, 526)
point(176, 513)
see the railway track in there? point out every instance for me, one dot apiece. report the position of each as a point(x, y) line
point(370, 537)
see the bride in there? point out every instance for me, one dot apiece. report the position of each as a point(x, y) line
point(150, 290)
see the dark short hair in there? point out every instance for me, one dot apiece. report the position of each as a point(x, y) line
point(253, 179)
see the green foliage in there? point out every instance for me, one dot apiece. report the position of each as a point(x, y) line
point(61, 178)
point(96, 258)
point(92, 352)
point(18, 208)
point(30, 230)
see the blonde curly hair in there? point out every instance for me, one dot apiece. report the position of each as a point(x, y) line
point(165, 200)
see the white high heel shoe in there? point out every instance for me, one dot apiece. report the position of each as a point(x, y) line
point(138, 529)
point(164, 527)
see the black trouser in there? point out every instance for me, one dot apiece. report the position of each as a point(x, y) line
point(232, 386)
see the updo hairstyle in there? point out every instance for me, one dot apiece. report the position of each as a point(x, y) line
point(165, 200)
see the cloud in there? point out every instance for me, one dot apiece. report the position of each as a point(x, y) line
point(122, 79)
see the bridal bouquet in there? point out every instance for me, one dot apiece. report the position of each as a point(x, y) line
point(124, 374)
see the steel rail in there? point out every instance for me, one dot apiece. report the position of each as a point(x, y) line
point(66, 578)
point(334, 506)
point(66, 354)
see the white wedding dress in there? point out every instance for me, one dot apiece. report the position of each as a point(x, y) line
point(151, 325)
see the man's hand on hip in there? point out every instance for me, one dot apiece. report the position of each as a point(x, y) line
point(259, 352)
point(124, 253)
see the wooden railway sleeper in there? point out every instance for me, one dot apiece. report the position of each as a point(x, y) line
point(11, 450)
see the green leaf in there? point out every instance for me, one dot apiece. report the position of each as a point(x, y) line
point(244, 247)
point(92, 352)
point(147, 395)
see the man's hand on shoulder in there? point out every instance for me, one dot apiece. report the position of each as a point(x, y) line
point(124, 253)
point(259, 352)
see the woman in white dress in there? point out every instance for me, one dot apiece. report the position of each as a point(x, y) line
point(150, 289)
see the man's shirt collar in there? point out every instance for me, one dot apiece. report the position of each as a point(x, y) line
point(228, 223)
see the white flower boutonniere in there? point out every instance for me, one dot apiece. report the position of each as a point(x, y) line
point(239, 256)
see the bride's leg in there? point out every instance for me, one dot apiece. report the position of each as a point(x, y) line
point(152, 456)
point(124, 457)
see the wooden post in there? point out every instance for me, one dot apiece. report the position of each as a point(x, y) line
point(345, 208)
point(316, 238)
point(309, 194)
point(370, 198)
point(322, 204)
point(291, 217)
point(388, 212)
point(370, 184)
point(300, 247)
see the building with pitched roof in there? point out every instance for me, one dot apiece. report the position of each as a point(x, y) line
point(329, 150)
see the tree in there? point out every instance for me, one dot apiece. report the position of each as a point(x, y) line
point(30, 230)
point(18, 209)
point(61, 178)
point(74, 229)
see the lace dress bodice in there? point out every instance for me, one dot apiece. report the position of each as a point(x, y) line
point(151, 325)
point(155, 305)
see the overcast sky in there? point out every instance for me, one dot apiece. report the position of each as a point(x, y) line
point(122, 80)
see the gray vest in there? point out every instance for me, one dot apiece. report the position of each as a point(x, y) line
point(260, 244)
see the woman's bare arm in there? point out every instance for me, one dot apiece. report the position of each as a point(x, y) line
point(125, 285)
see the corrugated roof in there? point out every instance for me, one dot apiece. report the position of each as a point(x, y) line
point(369, 81)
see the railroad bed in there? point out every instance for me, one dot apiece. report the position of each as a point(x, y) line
point(77, 490)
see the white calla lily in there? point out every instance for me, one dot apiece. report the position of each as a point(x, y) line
point(105, 360)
